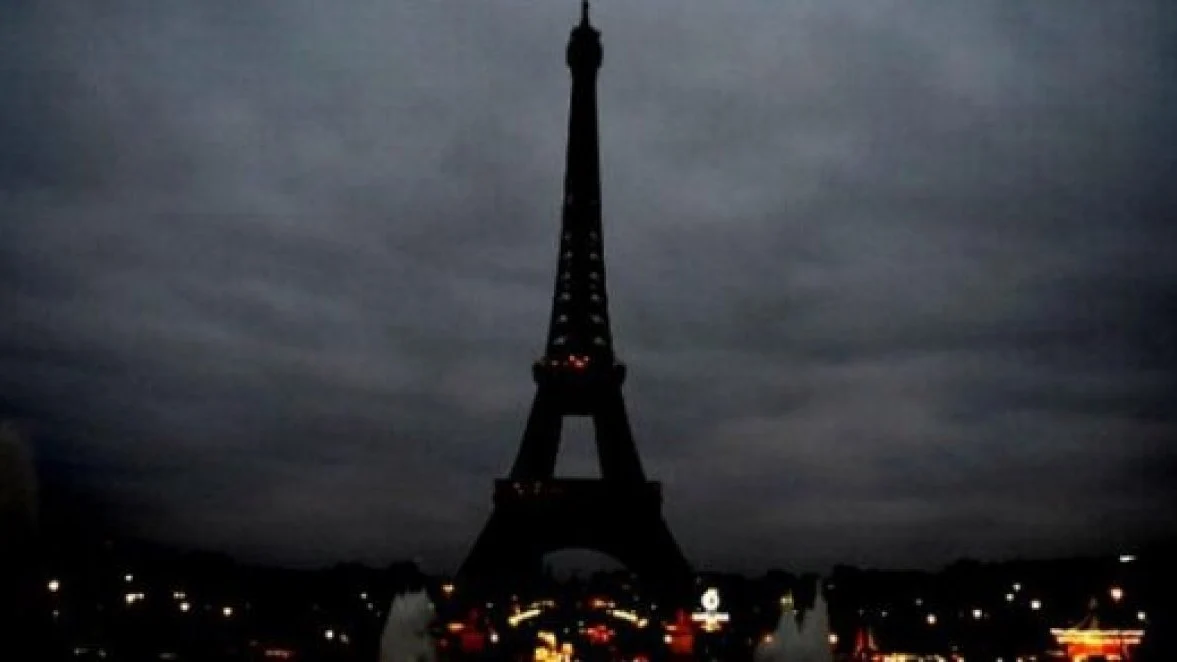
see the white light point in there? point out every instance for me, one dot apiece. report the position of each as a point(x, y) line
point(329, 635)
point(227, 612)
point(931, 619)
point(711, 599)
point(54, 586)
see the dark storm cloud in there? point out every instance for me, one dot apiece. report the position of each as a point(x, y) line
point(894, 280)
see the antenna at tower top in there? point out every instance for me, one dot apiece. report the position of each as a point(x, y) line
point(584, 7)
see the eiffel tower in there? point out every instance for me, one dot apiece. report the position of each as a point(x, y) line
point(619, 514)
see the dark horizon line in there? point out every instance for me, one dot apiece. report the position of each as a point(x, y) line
point(56, 546)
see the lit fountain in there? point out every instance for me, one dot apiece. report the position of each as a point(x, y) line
point(808, 641)
point(406, 635)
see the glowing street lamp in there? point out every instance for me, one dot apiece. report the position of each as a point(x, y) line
point(710, 617)
point(54, 586)
point(1009, 597)
point(184, 607)
point(931, 619)
point(227, 612)
point(329, 635)
point(977, 614)
point(128, 578)
point(1117, 593)
point(1035, 605)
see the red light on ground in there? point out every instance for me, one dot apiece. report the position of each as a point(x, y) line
point(599, 634)
point(472, 641)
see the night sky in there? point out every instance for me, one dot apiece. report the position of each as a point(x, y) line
point(895, 280)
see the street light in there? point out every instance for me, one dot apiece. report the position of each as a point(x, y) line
point(1117, 593)
point(54, 585)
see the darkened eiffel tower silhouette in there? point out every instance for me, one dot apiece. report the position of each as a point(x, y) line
point(619, 514)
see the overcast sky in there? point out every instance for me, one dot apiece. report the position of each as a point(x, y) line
point(895, 280)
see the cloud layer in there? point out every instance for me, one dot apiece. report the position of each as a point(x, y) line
point(894, 280)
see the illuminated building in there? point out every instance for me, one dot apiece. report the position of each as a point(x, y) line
point(1092, 639)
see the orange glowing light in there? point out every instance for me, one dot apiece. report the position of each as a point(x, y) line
point(1085, 644)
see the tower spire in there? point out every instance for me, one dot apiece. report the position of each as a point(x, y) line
point(584, 12)
point(578, 332)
